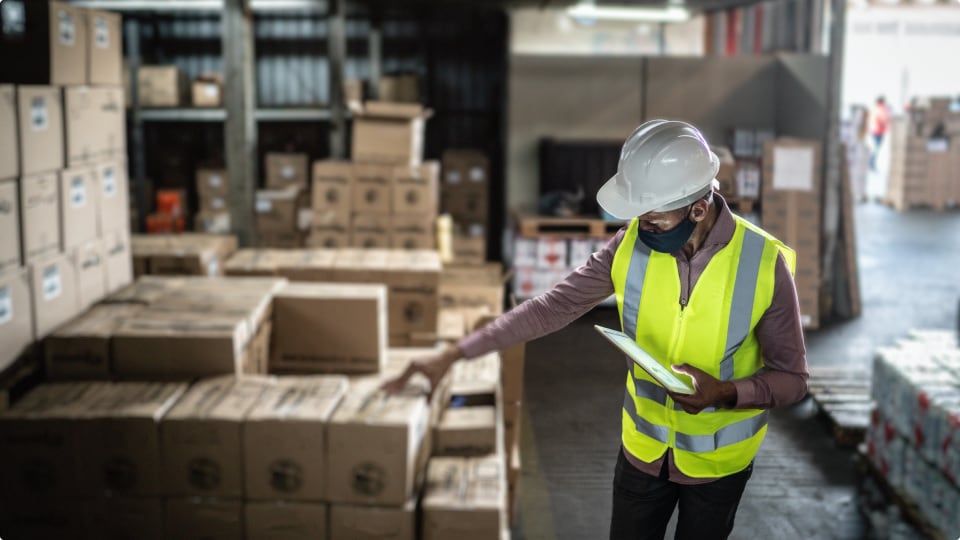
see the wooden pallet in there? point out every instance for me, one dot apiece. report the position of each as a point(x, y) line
point(843, 397)
point(904, 206)
point(909, 510)
point(533, 226)
point(19, 378)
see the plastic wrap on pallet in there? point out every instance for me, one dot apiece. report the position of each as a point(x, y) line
point(914, 434)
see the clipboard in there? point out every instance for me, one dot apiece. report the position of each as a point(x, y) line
point(642, 358)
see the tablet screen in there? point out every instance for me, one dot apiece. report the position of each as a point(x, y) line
point(656, 370)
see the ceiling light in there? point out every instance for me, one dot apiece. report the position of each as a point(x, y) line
point(626, 13)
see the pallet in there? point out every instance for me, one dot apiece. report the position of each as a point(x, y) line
point(534, 226)
point(908, 508)
point(743, 205)
point(843, 397)
point(905, 206)
point(19, 378)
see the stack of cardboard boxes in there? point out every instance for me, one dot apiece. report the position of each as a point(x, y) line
point(747, 147)
point(213, 196)
point(193, 254)
point(387, 196)
point(64, 241)
point(925, 157)
point(791, 212)
point(541, 262)
point(282, 209)
point(465, 195)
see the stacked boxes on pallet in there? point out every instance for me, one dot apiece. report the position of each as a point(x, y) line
point(282, 209)
point(64, 241)
point(925, 157)
point(387, 196)
point(465, 195)
point(913, 439)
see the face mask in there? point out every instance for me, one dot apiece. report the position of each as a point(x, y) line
point(668, 241)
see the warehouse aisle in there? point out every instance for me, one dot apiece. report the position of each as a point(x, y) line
point(802, 486)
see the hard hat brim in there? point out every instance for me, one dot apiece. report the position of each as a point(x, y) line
point(615, 203)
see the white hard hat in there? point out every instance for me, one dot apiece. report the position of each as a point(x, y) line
point(664, 165)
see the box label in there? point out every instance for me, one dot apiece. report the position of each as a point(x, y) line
point(38, 114)
point(476, 174)
point(101, 32)
point(938, 146)
point(213, 267)
point(67, 28)
point(211, 91)
point(215, 181)
point(453, 177)
point(264, 206)
point(109, 182)
point(14, 22)
point(793, 169)
point(287, 171)
point(217, 203)
point(78, 192)
point(6, 305)
point(51, 282)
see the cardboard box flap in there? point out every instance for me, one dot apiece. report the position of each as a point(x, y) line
point(147, 400)
point(99, 321)
point(221, 398)
point(301, 398)
point(56, 400)
point(146, 290)
point(399, 111)
point(366, 404)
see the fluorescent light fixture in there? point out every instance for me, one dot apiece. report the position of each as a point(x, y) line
point(629, 14)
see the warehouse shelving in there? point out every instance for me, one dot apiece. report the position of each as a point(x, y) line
point(293, 114)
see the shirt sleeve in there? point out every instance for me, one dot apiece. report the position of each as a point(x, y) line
point(784, 378)
point(577, 294)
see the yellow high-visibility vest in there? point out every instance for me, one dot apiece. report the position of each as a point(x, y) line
point(714, 332)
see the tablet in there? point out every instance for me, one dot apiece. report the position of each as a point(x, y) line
point(643, 359)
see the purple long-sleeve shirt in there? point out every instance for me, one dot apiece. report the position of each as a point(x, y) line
point(779, 330)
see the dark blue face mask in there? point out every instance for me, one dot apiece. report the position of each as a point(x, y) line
point(669, 241)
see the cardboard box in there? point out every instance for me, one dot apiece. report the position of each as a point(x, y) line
point(161, 86)
point(748, 180)
point(206, 93)
point(202, 519)
point(212, 221)
point(79, 206)
point(329, 236)
point(466, 431)
point(43, 518)
point(376, 446)
point(213, 184)
point(9, 153)
point(201, 437)
point(282, 240)
point(43, 43)
point(371, 231)
point(465, 167)
point(114, 199)
point(353, 94)
point(39, 441)
point(372, 188)
point(119, 452)
point(94, 123)
point(476, 381)
point(80, 349)
point(349, 522)
point(467, 205)
point(119, 267)
point(415, 189)
point(40, 128)
point(276, 210)
point(511, 372)
point(125, 517)
point(472, 286)
point(54, 283)
point(413, 232)
point(104, 49)
point(399, 89)
point(16, 315)
point(10, 225)
point(292, 415)
point(389, 133)
point(286, 521)
point(340, 328)
point(332, 192)
point(469, 249)
point(551, 253)
point(286, 169)
point(465, 498)
point(727, 175)
point(90, 262)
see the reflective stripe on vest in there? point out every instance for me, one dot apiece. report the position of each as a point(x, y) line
point(731, 434)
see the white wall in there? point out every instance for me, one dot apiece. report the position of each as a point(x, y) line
point(901, 52)
point(552, 32)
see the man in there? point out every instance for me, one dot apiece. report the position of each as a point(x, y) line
point(879, 123)
point(705, 293)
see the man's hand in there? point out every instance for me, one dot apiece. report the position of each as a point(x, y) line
point(708, 391)
point(433, 366)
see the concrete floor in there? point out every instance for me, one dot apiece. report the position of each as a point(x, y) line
point(802, 486)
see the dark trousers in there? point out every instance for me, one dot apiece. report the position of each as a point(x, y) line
point(643, 504)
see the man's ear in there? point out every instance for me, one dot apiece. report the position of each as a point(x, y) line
point(699, 211)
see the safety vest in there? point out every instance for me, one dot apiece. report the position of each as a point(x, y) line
point(714, 332)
